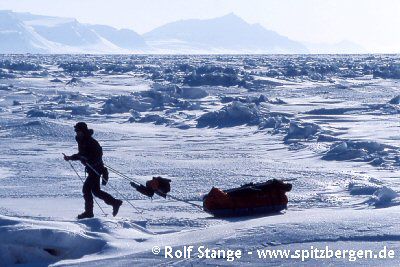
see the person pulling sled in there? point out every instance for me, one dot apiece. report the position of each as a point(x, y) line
point(90, 154)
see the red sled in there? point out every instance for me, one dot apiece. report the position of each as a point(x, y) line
point(249, 199)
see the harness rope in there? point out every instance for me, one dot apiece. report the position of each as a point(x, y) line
point(118, 192)
point(136, 182)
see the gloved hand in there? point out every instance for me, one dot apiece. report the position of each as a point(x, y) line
point(67, 158)
point(83, 160)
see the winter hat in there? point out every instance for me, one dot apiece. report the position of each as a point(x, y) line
point(82, 126)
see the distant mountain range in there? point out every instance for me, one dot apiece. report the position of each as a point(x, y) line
point(28, 33)
point(227, 34)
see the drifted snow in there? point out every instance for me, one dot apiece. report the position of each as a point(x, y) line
point(119, 242)
point(395, 100)
point(236, 113)
point(363, 188)
point(30, 241)
point(383, 196)
point(371, 151)
point(304, 131)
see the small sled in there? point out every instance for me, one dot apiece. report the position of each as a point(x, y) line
point(158, 185)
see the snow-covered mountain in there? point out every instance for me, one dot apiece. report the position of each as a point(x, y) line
point(227, 34)
point(123, 38)
point(28, 33)
point(17, 37)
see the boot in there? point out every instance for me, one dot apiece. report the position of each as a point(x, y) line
point(116, 206)
point(85, 215)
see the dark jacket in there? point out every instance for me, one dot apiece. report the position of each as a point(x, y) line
point(89, 150)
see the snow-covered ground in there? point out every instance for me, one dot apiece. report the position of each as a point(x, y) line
point(327, 124)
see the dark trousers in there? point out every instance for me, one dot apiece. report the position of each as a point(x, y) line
point(92, 186)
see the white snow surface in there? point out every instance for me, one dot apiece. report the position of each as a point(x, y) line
point(334, 138)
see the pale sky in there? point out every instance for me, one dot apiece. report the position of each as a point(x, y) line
point(374, 24)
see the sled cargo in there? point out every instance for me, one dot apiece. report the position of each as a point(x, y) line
point(249, 199)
